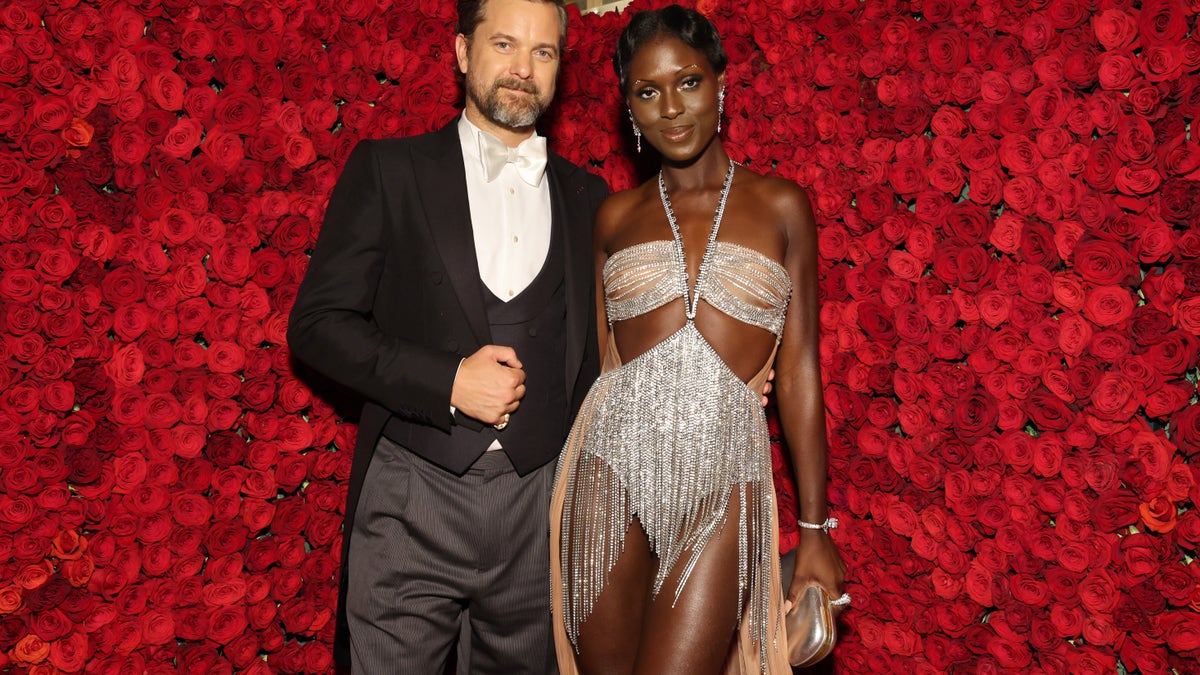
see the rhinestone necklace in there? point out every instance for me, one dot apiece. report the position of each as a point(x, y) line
point(691, 299)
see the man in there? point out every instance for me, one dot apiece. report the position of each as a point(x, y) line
point(452, 287)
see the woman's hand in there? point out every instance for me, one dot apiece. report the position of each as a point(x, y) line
point(817, 562)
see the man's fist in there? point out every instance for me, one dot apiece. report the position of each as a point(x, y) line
point(490, 384)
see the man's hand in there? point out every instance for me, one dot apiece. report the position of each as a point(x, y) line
point(767, 387)
point(490, 384)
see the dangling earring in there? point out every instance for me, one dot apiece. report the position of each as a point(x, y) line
point(720, 108)
point(637, 132)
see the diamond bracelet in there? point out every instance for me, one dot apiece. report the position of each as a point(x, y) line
point(829, 524)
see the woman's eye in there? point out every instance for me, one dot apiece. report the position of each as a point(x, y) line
point(691, 83)
point(645, 94)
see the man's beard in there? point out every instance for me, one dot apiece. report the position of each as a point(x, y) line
point(516, 112)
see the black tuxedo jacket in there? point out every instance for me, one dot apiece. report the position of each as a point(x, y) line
point(392, 299)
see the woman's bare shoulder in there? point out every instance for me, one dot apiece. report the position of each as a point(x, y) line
point(617, 210)
point(787, 201)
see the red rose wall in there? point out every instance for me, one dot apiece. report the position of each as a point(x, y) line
point(1007, 193)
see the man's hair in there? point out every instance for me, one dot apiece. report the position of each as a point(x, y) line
point(471, 13)
point(687, 25)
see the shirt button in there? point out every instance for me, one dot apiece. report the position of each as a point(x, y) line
point(515, 239)
point(510, 292)
point(512, 191)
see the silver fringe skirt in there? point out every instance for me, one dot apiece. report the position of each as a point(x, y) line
point(670, 437)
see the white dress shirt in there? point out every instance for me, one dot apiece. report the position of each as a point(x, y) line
point(509, 217)
point(510, 220)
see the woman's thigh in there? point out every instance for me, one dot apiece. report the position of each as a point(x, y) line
point(609, 637)
point(631, 631)
point(694, 633)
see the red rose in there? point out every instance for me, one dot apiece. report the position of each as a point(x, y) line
point(1175, 583)
point(291, 547)
point(1108, 305)
point(876, 322)
point(979, 585)
point(1159, 514)
point(323, 528)
point(1114, 28)
point(1176, 352)
point(226, 538)
point(69, 654)
point(317, 659)
point(1067, 621)
point(227, 592)
point(225, 623)
point(1146, 100)
point(1103, 262)
point(298, 151)
point(182, 138)
point(994, 308)
point(242, 650)
point(1132, 181)
point(222, 414)
point(223, 147)
point(1162, 22)
point(317, 114)
point(257, 513)
point(166, 88)
point(51, 624)
point(286, 583)
point(147, 501)
point(291, 515)
point(907, 178)
point(1114, 510)
point(190, 509)
point(1180, 157)
point(1187, 316)
point(1157, 244)
point(1182, 630)
point(262, 614)
point(290, 472)
point(1171, 398)
point(975, 416)
point(131, 321)
point(232, 264)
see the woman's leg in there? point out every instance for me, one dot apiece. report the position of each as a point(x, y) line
point(609, 637)
point(695, 636)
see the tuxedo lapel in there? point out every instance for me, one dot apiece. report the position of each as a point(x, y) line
point(566, 200)
point(443, 184)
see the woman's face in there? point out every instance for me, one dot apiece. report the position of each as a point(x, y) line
point(673, 96)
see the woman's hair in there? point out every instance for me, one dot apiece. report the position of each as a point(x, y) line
point(688, 25)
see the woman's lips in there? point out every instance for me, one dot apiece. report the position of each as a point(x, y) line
point(677, 134)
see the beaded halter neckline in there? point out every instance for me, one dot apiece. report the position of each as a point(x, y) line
point(691, 298)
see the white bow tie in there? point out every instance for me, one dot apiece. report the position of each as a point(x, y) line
point(529, 157)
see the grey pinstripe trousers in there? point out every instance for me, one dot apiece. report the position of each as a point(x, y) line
point(430, 548)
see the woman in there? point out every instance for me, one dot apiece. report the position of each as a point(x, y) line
point(663, 521)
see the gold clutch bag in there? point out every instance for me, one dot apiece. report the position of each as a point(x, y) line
point(811, 630)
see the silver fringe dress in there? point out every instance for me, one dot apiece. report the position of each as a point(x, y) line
point(673, 434)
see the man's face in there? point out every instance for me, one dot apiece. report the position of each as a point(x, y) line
point(510, 63)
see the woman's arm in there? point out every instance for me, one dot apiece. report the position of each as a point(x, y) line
point(799, 393)
point(609, 217)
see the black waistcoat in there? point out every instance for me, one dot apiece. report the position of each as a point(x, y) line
point(532, 323)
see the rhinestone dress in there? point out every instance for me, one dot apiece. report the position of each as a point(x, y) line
point(673, 436)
